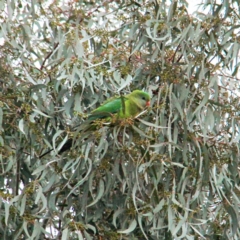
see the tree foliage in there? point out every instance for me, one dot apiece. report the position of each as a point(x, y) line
point(171, 173)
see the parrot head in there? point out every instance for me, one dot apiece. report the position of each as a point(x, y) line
point(142, 98)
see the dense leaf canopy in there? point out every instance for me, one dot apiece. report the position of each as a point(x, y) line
point(170, 173)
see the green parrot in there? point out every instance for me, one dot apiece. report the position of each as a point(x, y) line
point(122, 106)
point(117, 107)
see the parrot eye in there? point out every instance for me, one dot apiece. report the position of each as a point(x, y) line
point(143, 98)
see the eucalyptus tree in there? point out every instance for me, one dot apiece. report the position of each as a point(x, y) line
point(170, 173)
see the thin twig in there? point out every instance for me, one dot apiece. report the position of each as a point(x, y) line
point(48, 56)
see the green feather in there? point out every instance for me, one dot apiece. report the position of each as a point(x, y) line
point(122, 106)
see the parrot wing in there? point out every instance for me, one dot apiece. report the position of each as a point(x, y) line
point(106, 110)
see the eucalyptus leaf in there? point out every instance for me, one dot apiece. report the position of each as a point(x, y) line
point(131, 227)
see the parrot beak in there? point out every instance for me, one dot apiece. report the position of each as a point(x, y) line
point(148, 103)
